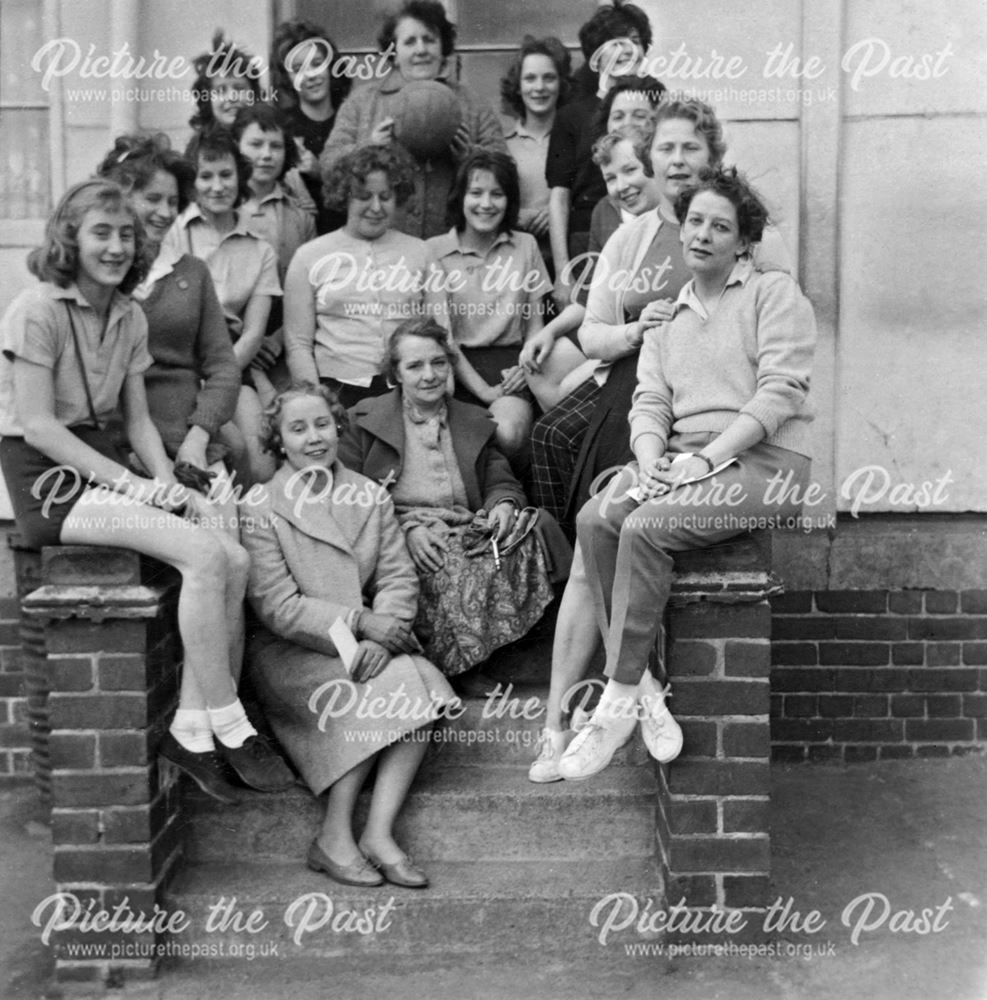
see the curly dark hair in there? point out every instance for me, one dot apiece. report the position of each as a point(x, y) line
point(57, 259)
point(288, 35)
point(729, 183)
point(268, 119)
point(136, 158)
point(504, 170)
point(417, 326)
point(510, 84)
point(654, 90)
point(349, 174)
point(640, 140)
point(213, 143)
point(271, 437)
point(616, 21)
point(431, 13)
point(224, 59)
point(705, 120)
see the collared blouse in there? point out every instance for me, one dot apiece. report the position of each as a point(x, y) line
point(37, 327)
point(241, 264)
point(491, 298)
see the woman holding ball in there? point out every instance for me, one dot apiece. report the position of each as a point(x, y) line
point(418, 105)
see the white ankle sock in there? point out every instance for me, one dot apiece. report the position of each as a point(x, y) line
point(230, 724)
point(192, 730)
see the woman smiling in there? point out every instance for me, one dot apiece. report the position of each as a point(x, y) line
point(243, 268)
point(193, 385)
point(496, 278)
point(420, 39)
point(346, 291)
point(532, 90)
point(318, 560)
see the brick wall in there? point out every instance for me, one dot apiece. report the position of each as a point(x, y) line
point(21, 669)
point(15, 740)
point(877, 674)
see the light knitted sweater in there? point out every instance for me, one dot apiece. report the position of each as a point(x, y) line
point(752, 355)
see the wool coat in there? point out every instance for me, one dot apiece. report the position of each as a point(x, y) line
point(374, 444)
point(316, 555)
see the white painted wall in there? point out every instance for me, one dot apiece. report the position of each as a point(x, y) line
point(882, 180)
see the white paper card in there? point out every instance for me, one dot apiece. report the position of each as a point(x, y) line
point(637, 493)
point(345, 643)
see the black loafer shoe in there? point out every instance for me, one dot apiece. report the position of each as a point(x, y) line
point(258, 765)
point(206, 769)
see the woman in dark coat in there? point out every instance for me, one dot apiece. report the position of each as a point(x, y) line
point(457, 501)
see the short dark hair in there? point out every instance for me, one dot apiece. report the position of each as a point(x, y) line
point(640, 140)
point(431, 13)
point(57, 259)
point(213, 143)
point(286, 37)
point(417, 326)
point(653, 90)
point(349, 174)
point(729, 183)
point(238, 63)
point(510, 84)
point(703, 118)
point(616, 21)
point(268, 119)
point(136, 158)
point(504, 170)
point(271, 438)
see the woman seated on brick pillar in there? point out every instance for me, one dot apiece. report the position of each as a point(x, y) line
point(587, 432)
point(720, 403)
point(74, 350)
point(327, 554)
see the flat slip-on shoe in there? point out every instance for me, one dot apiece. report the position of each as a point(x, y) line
point(359, 873)
point(403, 873)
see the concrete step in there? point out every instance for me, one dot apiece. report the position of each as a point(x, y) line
point(454, 813)
point(471, 908)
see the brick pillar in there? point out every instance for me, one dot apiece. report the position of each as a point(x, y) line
point(713, 829)
point(112, 666)
point(26, 679)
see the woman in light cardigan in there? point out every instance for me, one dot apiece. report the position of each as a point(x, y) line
point(722, 393)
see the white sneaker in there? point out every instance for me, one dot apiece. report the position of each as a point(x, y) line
point(662, 735)
point(580, 719)
point(545, 767)
point(593, 747)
